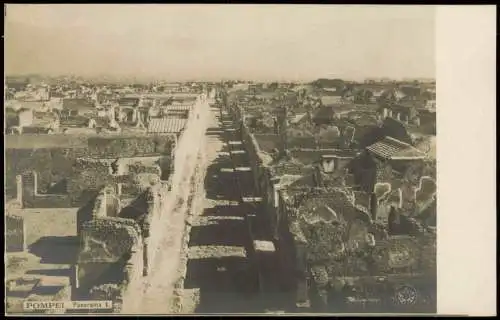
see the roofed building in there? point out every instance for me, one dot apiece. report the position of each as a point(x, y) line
point(166, 125)
point(387, 160)
point(393, 149)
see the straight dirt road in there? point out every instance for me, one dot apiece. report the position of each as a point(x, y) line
point(217, 279)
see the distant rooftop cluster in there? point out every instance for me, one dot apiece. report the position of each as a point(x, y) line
point(70, 105)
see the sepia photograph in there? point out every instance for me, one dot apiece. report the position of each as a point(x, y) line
point(221, 159)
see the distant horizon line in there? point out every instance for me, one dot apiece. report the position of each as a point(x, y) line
point(216, 79)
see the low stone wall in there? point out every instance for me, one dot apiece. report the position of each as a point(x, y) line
point(30, 198)
point(109, 292)
point(48, 201)
point(119, 147)
point(53, 156)
point(195, 205)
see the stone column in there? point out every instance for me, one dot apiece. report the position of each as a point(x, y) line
point(145, 265)
point(35, 183)
point(134, 115)
point(104, 203)
point(417, 121)
point(302, 293)
point(373, 205)
point(19, 184)
point(76, 283)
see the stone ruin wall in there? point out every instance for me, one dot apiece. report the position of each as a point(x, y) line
point(111, 254)
point(130, 146)
point(419, 252)
point(91, 174)
point(29, 171)
point(112, 244)
point(257, 158)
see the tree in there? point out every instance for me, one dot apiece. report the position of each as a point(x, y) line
point(329, 83)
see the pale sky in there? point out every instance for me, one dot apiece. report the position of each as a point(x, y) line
point(260, 42)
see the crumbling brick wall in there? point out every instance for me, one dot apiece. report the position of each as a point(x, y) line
point(89, 176)
point(127, 147)
point(256, 159)
point(138, 167)
point(106, 204)
point(416, 259)
point(106, 242)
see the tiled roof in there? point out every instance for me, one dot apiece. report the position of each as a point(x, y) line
point(178, 107)
point(390, 148)
point(166, 125)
